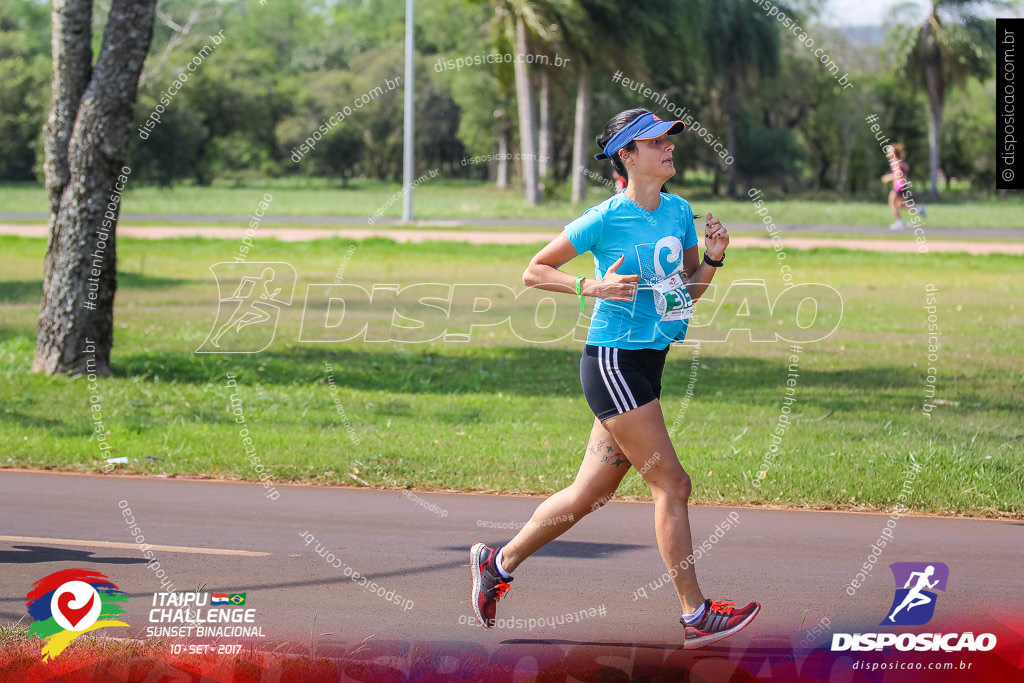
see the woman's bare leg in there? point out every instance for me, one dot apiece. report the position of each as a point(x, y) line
point(895, 202)
point(644, 439)
point(603, 468)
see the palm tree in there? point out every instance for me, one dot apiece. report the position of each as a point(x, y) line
point(525, 21)
point(610, 36)
point(527, 124)
point(566, 18)
point(591, 41)
point(742, 41)
point(580, 132)
point(949, 46)
point(505, 81)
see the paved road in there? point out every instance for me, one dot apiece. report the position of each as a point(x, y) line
point(905, 245)
point(227, 536)
point(1007, 233)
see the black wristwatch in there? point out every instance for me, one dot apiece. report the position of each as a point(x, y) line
point(711, 262)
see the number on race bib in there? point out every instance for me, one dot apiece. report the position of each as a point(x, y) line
point(676, 300)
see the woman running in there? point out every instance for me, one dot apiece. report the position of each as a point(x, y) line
point(897, 175)
point(648, 273)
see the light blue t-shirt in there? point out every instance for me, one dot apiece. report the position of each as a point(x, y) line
point(653, 243)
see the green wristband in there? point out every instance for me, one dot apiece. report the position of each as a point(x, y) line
point(579, 289)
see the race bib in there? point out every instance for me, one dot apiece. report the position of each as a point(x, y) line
point(671, 299)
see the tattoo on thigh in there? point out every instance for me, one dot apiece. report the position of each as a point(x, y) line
point(609, 454)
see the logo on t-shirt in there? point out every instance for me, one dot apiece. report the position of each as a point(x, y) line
point(659, 264)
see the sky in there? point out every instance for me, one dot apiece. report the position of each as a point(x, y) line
point(858, 12)
point(868, 12)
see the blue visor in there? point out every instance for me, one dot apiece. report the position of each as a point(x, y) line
point(644, 127)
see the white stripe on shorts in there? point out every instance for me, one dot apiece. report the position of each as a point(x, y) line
point(622, 380)
point(612, 390)
point(622, 396)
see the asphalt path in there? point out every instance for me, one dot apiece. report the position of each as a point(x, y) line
point(230, 537)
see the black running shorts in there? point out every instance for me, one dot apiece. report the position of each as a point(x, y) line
point(618, 380)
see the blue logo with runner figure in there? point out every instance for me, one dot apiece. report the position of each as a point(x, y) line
point(914, 603)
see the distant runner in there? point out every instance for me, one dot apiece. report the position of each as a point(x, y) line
point(897, 175)
point(620, 182)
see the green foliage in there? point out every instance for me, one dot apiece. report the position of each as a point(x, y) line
point(952, 39)
point(286, 66)
point(24, 29)
point(173, 150)
point(950, 46)
point(342, 150)
point(456, 28)
point(751, 35)
point(903, 117)
point(24, 88)
point(479, 109)
point(24, 96)
point(966, 145)
point(764, 152)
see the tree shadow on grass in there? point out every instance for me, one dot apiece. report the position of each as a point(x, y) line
point(522, 371)
point(130, 280)
point(20, 291)
point(26, 291)
point(54, 427)
point(511, 370)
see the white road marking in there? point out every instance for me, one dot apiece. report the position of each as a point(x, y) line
point(132, 546)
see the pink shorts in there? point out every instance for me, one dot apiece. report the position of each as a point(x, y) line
point(898, 185)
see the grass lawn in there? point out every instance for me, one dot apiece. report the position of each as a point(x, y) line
point(499, 408)
point(463, 199)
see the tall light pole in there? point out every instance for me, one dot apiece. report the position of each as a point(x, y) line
point(407, 161)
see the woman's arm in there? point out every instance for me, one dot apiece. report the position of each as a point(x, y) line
point(543, 273)
point(699, 274)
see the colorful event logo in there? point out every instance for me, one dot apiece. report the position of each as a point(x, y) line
point(914, 603)
point(71, 602)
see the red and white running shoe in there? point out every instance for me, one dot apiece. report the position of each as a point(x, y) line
point(720, 620)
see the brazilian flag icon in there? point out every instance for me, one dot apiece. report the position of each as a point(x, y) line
point(237, 598)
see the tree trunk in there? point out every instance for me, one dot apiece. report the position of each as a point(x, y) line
point(846, 126)
point(731, 107)
point(527, 125)
point(72, 66)
point(580, 134)
point(844, 169)
point(546, 134)
point(933, 82)
point(76, 318)
point(503, 158)
point(824, 165)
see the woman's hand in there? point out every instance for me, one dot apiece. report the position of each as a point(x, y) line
point(613, 286)
point(716, 238)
